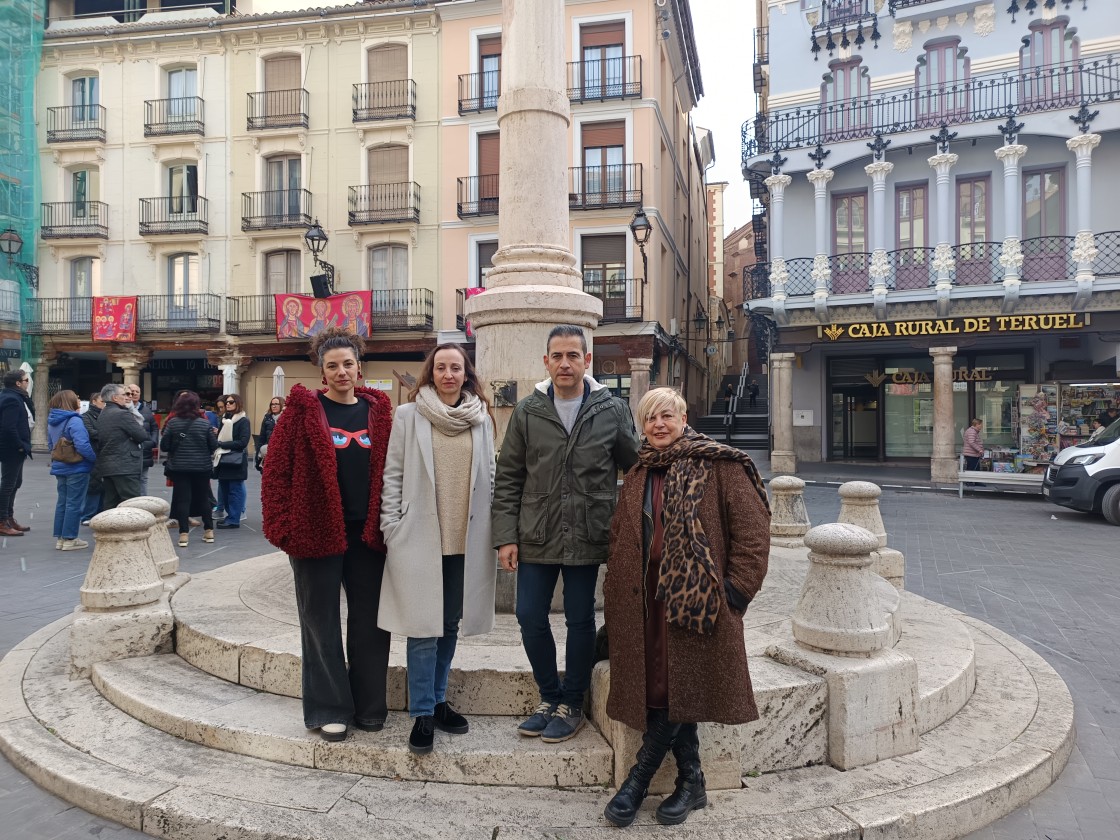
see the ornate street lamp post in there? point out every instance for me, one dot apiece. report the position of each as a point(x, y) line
point(11, 243)
point(317, 240)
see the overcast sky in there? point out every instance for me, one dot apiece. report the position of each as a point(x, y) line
point(725, 41)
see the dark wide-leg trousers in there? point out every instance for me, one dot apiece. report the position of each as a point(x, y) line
point(331, 692)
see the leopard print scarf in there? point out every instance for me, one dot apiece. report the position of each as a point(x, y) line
point(688, 581)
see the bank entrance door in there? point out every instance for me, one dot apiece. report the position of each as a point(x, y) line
point(855, 421)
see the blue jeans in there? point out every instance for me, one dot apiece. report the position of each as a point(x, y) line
point(68, 508)
point(92, 506)
point(231, 499)
point(536, 583)
point(429, 660)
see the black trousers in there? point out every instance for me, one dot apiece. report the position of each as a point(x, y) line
point(190, 496)
point(11, 479)
point(119, 488)
point(331, 692)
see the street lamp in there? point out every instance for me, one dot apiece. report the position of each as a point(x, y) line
point(640, 229)
point(11, 243)
point(323, 284)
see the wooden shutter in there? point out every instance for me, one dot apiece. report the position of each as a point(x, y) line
point(596, 135)
point(490, 46)
point(489, 160)
point(282, 73)
point(388, 63)
point(388, 165)
point(603, 34)
point(604, 250)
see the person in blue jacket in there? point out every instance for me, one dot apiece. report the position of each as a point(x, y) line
point(73, 478)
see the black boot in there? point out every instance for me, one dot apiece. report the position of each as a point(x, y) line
point(623, 807)
point(689, 794)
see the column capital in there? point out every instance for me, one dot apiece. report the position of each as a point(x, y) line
point(819, 177)
point(943, 355)
point(1083, 144)
point(943, 161)
point(639, 364)
point(1011, 154)
point(879, 170)
point(784, 359)
point(130, 360)
point(778, 183)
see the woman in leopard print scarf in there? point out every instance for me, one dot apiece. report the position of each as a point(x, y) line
point(690, 541)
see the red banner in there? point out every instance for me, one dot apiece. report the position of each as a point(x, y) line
point(302, 316)
point(114, 318)
point(467, 295)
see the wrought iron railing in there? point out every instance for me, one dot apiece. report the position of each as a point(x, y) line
point(275, 209)
point(605, 78)
point(895, 5)
point(849, 273)
point(977, 264)
point(74, 220)
point(1047, 258)
point(182, 115)
point(756, 281)
point(50, 316)
point(987, 96)
point(477, 196)
point(173, 214)
point(800, 281)
point(179, 313)
point(278, 109)
point(911, 268)
point(402, 309)
point(385, 100)
point(762, 45)
point(76, 122)
point(623, 297)
point(9, 307)
point(1107, 263)
point(596, 187)
point(251, 315)
point(460, 307)
point(378, 203)
point(479, 91)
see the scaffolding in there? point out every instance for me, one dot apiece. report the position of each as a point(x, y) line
point(21, 43)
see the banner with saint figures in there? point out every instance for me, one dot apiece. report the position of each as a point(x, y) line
point(303, 316)
point(114, 318)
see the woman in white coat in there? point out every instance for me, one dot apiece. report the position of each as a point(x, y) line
point(440, 565)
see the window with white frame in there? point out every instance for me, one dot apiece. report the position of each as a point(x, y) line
point(85, 276)
point(283, 272)
point(388, 277)
point(182, 94)
point(182, 278)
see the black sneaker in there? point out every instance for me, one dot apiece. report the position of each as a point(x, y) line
point(423, 735)
point(449, 720)
point(223, 523)
point(565, 723)
point(369, 727)
point(540, 718)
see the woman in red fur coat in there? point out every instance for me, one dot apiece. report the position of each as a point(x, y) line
point(321, 496)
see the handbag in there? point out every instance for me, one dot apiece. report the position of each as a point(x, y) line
point(65, 452)
point(232, 459)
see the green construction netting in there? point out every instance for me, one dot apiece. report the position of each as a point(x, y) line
point(21, 43)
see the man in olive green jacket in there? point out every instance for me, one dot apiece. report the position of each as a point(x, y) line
point(554, 494)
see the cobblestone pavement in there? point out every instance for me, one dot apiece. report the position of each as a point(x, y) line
point(1047, 576)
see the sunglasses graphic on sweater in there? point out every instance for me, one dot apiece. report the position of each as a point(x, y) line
point(342, 438)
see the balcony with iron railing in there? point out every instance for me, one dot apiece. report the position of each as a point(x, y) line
point(372, 204)
point(275, 209)
point(623, 298)
point(762, 45)
point(169, 117)
point(982, 97)
point(895, 6)
point(384, 100)
point(58, 316)
point(479, 91)
point(278, 109)
point(9, 308)
point(251, 315)
point(74, 220)
point(199, 313)
point(76, 123)
point(477, 195)
point(175, 214)
point(601, 187)
point(402, 309)
point(598, 80)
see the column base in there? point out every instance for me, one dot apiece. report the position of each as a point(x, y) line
point(783, 462)
point(943, 470)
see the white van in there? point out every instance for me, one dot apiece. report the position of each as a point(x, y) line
point(1087, 476)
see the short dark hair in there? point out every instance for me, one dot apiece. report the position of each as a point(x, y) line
point(565, 330)
point(13, 377)
point(335, 338)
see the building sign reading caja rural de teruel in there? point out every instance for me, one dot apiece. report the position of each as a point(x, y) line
point(987, 325)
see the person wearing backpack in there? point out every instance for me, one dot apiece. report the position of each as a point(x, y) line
point(72, 459)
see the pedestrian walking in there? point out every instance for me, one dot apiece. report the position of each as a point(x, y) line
point(231, 462)
point(120, 440)
point(72, 459)
point(16, 417)
point(752, 389)
point(554, 494)
point(440, 468)
point(321, 496)
point(189, 442)
point(973, 449)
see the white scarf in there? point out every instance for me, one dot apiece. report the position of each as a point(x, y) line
point(225, 435)
point(450, 419)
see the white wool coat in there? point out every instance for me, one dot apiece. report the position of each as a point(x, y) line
point(412, 589)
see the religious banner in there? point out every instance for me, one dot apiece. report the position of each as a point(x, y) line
point(303, 316)
point(467, 295)
point(114, 318)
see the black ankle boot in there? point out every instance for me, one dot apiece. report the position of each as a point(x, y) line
point(623, 807)
point(689, 794)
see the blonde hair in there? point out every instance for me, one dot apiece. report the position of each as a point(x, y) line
point(659, 399)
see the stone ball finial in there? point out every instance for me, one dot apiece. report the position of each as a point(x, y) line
point(841, 541)
point(782, 484)
point(159, 540)
point(154, 505)
point(121, 572)
point(789, 520)
point(859, 505)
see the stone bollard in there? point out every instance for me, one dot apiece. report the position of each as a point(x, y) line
point(124, 611)
point(159, 540)
point(789, 520)
point(859, 505)
point(843, 632)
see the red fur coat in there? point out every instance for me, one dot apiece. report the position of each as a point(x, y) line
point(300, 496)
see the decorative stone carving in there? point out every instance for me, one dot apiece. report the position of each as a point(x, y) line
point(159, 540)
point(961, 18)
point(943, 23)
point(1084, 247)
point(1011, 152)
point(880, 268)
point(821, 272)
point(924, 25)
point(789, 521)
point(778, 183)
point(881, 168)
point(903, 35)
point(1011, 255)
point(943, 262)
point(1083, 143)
point(779, 274)
point(942, 159)
point(984, 20)
point(819, 177)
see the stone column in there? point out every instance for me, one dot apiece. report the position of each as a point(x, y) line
point(943, 262)
point(639, 385)
point(1084, 245)
point(130, 363)
point(40, 398)
point(880, 269)
point(783, 458)
point(1011, 251)
point(534, 284)
point(789, 521)
point(233, 367)
point(779, 274)
point(859, 505)
point(943, 463)
point(822, 239)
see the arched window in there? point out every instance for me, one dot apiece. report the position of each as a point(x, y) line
point(85, 276)
point(941, 83)
point(844, 96)
point(1048, 63)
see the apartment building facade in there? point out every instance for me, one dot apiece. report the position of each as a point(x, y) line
point(186, 152)
point(940, 237)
